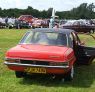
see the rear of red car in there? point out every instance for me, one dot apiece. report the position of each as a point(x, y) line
point(41, 56)
point(52, 58)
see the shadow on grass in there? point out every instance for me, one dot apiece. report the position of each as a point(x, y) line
point(84, 77)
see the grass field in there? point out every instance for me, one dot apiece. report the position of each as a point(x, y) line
point(84, 80)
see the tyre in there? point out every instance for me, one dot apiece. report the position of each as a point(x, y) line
point(19, 74)
point(69, 75)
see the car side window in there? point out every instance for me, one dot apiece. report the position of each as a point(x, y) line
point(70, 40)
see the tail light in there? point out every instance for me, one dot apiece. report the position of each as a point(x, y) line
point(59, 63)
point(12, 60)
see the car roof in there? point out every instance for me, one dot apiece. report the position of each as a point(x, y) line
point(56, 30)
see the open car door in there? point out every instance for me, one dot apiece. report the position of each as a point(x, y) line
point(84, 54)
point(88, 51)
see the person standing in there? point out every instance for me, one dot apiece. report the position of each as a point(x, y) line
point(6, 21)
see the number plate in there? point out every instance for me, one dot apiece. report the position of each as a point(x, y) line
point(35, 70)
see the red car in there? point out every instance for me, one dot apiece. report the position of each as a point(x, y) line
point(26, 18)
point(48, 51)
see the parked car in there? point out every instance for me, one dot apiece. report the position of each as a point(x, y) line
point(48, 51)
point(79, 26)
point(19, 25)
point(37, 23)
point(45, 23)
point(22, 24)
point(40, 23)
point(26, 18)
point(2, 23)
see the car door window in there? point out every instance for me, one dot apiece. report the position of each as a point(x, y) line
point(87, 39)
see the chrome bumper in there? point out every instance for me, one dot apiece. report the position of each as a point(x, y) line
point(32, 65)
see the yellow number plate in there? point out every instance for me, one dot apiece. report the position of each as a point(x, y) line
point(35, 70)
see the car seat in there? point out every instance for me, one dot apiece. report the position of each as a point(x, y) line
point(42, 38)
point(61, 39)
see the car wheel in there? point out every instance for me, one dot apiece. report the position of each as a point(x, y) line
point(19, 74)
point(69, 75)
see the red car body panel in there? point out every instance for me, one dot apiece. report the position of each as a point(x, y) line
point(51, 53)
point(42, 53)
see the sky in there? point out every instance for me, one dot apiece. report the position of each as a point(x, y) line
point(58, 5)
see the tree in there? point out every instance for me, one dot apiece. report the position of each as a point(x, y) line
point(49, 12)
point(83, 11)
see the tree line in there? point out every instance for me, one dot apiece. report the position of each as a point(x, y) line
point(84, 11)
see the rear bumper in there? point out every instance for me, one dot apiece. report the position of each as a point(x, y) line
point(32, 65)
point(49, 69)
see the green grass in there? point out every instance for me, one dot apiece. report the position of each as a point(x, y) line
point(84, 80)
